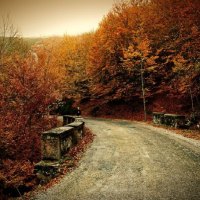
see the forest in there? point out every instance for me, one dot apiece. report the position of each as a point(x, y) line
point(142, 51)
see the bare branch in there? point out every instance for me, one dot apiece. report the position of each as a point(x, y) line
point(8, 36)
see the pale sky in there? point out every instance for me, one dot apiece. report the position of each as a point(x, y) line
point(35, 18)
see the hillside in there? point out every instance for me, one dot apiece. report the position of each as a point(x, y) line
point(158, 41)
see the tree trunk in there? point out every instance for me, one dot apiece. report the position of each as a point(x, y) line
point(192, 101)
point(143, 91)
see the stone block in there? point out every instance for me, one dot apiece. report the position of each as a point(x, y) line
point(67, 119)
point(79, 119)
point(174, 120)
point(78, 131)
point(56, 142)
point(158, 118)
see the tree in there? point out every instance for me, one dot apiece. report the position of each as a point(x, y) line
point(170, 30)
point(136, 57)
point(10, 41)
point(73, 54)
point(28, 88)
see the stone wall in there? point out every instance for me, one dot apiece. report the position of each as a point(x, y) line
point(57, 142)
point(173, 120)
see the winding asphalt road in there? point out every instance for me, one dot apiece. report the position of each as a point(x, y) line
point(130, 160)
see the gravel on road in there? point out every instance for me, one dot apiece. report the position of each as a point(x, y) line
point(131, 160)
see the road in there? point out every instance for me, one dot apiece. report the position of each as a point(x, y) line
point(131, 160)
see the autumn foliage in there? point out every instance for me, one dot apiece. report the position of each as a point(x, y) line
point(157, 40)
point(162, 37)
point(28, 85)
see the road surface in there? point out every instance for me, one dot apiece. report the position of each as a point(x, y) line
point(131, 160)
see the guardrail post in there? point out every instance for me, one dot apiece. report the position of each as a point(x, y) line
point(158, 118)
point(78, 131)
point(174, 120)
point(56, 142)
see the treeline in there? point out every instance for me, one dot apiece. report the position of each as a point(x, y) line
point(158, 39)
